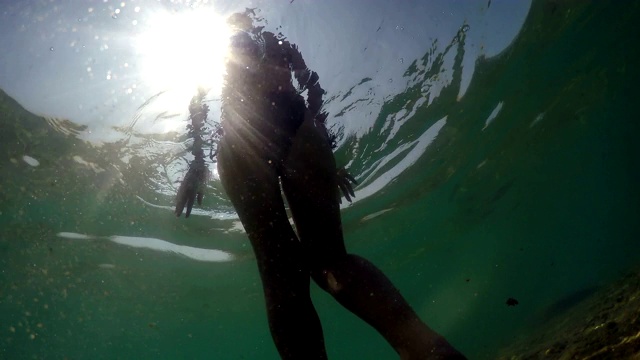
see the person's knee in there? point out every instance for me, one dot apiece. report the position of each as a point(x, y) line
point(334, 276)
point(328, 280)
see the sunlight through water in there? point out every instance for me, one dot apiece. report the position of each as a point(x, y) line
point(176, 58)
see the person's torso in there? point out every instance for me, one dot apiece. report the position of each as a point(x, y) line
point(259, 65)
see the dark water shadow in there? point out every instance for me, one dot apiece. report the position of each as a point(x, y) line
point(566, 303)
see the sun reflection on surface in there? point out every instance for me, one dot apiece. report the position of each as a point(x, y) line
point(180, 52)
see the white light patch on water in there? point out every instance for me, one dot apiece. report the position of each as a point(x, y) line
point(493, 114)
point(401, 119)
point(75, 236)
point(165, 246)
point(198, 254)
point(31, 161)
point(236, 226)
point(419, 147)
point(383, 161)
point(97, 169)
point(375, 215)
point(536, 120)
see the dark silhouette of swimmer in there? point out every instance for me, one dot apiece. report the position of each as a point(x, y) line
point(274, 142)
point(192, 186)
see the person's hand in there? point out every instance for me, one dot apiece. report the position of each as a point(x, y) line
point(345, 183)
point(191, 188)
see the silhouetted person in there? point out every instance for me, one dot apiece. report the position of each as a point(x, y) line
point(191, 187)
point(273, 140)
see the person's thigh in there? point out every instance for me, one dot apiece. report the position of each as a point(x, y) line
point(252, 185)
point(310, 185)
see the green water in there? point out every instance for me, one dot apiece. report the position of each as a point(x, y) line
point(537, 203)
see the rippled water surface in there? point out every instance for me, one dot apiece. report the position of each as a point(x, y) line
point(494, 143)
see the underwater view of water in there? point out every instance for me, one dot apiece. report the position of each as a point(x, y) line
point(494, 144)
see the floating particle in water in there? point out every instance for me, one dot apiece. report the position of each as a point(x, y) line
point(51, 48)
point(512, 302)
point(31, 161)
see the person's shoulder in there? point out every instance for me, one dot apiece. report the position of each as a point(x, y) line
point(279, 38)
point(240, 38)
point(269, 37)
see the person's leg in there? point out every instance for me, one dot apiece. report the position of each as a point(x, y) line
point(253, 187)
point(310, 186)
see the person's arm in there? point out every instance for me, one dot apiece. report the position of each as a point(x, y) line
point(307, 79)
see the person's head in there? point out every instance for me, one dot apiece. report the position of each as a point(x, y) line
point(243, 46)
point(240, 21)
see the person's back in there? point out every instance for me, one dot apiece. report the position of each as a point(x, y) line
point(273, 141)
point(259, 82)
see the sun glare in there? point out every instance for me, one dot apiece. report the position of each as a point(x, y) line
point(180, 52)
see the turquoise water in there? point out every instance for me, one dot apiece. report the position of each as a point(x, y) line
point(524, 187)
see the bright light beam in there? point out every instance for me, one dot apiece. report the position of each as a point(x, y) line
point(180, 52)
